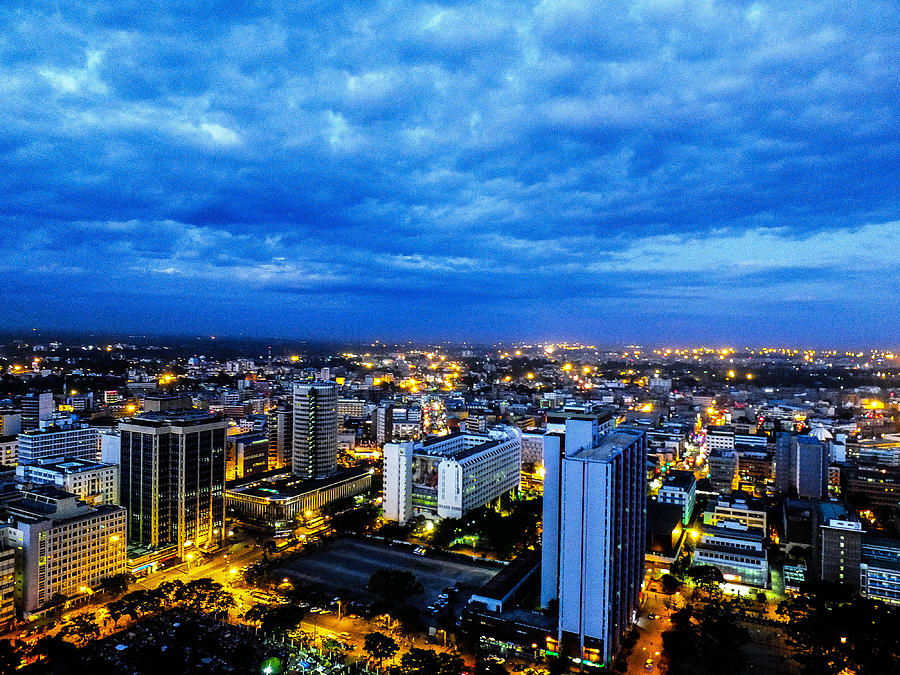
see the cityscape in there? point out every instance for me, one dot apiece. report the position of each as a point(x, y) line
point(455, 337)
point(447, 508)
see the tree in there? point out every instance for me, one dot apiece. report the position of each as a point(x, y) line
point(705, 640)
point(81, 627)
point(832, 628)
point(53, 650)
point(419, 662)
point(11, 654)
point(379, 646)
point(450, 664)
point(276, 619)
point(706, 577)
point(117, 583)
point(669, 584)
point(394, 586)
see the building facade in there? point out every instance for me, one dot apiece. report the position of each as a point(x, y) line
point(93, 482)
point(58, 440)
point(173, 479)
point(315, 444)
point(64, 546)
point(449, 476)
point(602, 518)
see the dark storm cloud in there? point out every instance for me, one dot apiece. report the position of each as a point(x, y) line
point(583, 160)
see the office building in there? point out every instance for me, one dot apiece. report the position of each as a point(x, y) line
point(879, 569)
point(281, 436)
point(57, 439)
point(280, 496)
point(809, 464)
point(448, 476)
point(723, 465)
point(719, 439)
point(92, 482)
point(65, 546)
point(838, 548)
point(9, 450)
point(10, 423)
point(7, 584)
point(315, 429)
point(680, 489)
point(384, 423)
point(246, 454)
point(173, 479)
point(738, 508)
point(351, 407)
point(736, 550)
point(601, 537)
point(36, 408)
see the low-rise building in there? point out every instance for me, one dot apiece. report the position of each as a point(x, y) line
point(450, 475)
point(680, 489)
point(736, 507)
point(278, 496)
point(737, 552)
point(93, 482)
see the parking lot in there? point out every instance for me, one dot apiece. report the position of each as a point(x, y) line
point(347, 564)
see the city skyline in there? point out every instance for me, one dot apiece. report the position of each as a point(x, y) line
point(702, 171)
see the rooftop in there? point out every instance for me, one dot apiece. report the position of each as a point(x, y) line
point(608, 444)
point(281, 485)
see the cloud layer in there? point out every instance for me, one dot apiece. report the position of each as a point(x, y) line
point(649, 170)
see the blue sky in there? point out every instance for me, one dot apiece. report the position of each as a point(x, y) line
point(649, 171)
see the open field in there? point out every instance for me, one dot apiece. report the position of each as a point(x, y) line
point(347, 564)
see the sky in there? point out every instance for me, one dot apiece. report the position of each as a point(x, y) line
point(647, 171)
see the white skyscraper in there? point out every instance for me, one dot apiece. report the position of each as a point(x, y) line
point(600, 508)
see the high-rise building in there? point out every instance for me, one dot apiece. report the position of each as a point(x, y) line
point(36, 408)
point(281, 436)
point(66, 547)
point(384, 423)
point(173, 479)
point(315, 429)
point(58, 439)
point(809, 463)
point(601, 511)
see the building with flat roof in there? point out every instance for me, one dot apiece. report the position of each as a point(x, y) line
point(680, 488)
point(736, 550)
point(279, 496)
point(246, 454)
point(64, 546)
point(593, 560)
point(448, 476)
point(173, 478)
point(56, 439)
point(879, 569)
point(737, 507)
point(315, 444)
point(93, 482)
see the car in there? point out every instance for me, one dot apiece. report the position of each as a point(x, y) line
point(444, 596)
point(496, 659)
point(420, 550)
point(652, 616)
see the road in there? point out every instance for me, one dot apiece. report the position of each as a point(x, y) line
point(649, 644)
